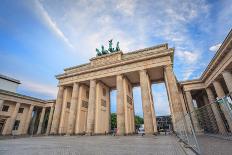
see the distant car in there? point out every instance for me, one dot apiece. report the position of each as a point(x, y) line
point(141, 131)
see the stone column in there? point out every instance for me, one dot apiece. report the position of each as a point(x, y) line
point(147, 113)
point(56, 116)
point(91, 107)
point(62, 127)
point(13, 117)
point(1, 104)
point(220, 124)
point(210, 114)
point(49, 121)
point(220, 93)
point(29, 117)
point(41, 121)
point(32, 125)
point(72, 112)
point(192, 112)
point(177, 111)
point(228, 79)
point(120, 106)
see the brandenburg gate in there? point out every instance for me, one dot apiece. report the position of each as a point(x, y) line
point(83, 100)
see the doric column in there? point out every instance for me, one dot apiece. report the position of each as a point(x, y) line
point(228, 79)
point(220, 93)
point(41, 121)
point(56, 116)
point(32, 125)
point(1, 104)
point(49, 121)
point(120, 106)
point(147, 113)
point(29, 117)
point(91, 107)
point(220, 124)
point(13, 117)
point(192, 112)
point(176, 107)
point(210, 114)
point(62, 127)
point(72, 112)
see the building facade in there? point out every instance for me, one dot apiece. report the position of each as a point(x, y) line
point(83, 100)
point(214, 83)
point(20, 114)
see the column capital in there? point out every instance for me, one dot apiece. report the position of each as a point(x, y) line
point(169, 66)
point(143, 71)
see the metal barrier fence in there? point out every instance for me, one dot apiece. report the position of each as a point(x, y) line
point(184, 130)
point(216, 118)
point(213, 119)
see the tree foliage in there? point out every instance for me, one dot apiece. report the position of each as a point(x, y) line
point(138, 120)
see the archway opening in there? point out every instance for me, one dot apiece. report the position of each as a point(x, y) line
point(161, 107)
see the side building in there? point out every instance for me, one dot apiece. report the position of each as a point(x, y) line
point(215, 83)
point(20, 114)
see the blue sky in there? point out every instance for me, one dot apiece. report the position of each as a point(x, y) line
point(39, 38)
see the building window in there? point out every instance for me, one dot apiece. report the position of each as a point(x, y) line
point(129, 88)
point(5, 108)
point(104, 92)
point(87, 94)
point(68, 105)
point(21, 110)
point(16, 125)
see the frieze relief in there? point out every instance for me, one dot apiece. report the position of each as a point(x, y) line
point(158, 62)
point(106, 59)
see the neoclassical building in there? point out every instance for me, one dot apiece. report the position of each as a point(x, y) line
point(83, 100)
point(214, 83)
point(20, 114)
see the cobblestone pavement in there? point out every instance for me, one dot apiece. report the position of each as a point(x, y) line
point(87, 145)
point(214, 146)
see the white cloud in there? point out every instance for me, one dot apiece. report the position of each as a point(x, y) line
point(51, 23)
point(126, 7)
point(40, 88)
point(161, 103)
point(187, 56)
point(214, 48)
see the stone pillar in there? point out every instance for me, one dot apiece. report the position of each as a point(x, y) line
point(29, 117)
point(13, 117)
point(56, 116)
point(49, 121)
point(91, 107)
point(220, 93)
point(176, 107)
point(210, 114)
point(102, 107)
point(192, 112)
point(32, 125)
point(41, 121)
point(219, 121)
point(63, 124)
point(120, 106)
point(228, 79)
point(147, 113)
point(72, 112)
point(1, 104)
point(152, 105)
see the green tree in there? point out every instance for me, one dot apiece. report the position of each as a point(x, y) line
point(138, 120)
point(113, 120)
